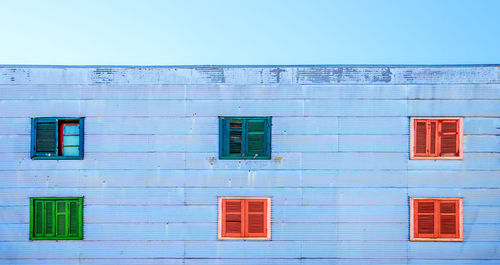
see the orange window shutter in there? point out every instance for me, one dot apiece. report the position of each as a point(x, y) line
point(232, 221)
point(449, 219)
point(449, 137)
point(256, 218)
point(420, 137)
point(425, 219)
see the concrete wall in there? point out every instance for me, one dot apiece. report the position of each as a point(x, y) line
point(340, 177)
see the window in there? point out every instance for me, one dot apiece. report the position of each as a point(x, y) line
point(244, 218)
point(436, 219)
point(436, 138)
point(245, 138)
point(56, 218)
point(57, 138)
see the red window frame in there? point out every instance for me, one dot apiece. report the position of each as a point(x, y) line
point(427, 133)
point(436, 216)
point(61, 135)
point(241, 211)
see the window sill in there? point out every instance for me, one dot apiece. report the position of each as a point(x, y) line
point(436, 158)
point(56, 158)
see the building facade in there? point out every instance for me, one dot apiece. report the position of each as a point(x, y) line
point(281, 165)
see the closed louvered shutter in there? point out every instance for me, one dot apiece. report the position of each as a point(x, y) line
point(39, 212)
point(46, 137)
point(425, 222)
point(256, 218)
point(433, 137)
point(49, 218)
point(448, 219)
point(61, 218)
point(73, 218)
point(232, 219)
point(449, 137)
point(420, 137)
point(256, 137)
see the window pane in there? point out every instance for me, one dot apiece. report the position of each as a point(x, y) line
point(71, 129)
point(71, 140)
point(71, 151)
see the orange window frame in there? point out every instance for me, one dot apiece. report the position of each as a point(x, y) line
point(436, 235)
point(436, 153)
point(244, 234)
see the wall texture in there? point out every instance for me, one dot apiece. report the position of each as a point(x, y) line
point(340, 177)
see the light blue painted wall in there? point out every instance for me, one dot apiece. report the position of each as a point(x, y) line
point(339, 189)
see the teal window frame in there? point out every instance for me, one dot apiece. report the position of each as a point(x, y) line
point(38, 228)
point(224, 138)
point(54, 155)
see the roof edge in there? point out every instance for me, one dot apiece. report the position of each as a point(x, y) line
point(250, 66)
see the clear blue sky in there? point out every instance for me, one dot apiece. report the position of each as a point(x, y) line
point(249, 32)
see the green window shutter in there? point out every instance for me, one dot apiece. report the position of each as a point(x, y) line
point(46, 138)
point(73, 218)
point(56, 218)
point(256, 137)
point(49, 218)
point(61, 216)
point(39, 213)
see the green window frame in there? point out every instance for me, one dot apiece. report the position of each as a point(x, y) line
point(56, 218)
point(245, 138)
point(57, 138)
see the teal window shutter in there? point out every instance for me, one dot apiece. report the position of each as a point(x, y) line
point(45, 137)
point(245, 138)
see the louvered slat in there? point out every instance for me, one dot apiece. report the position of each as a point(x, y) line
point(49, 218)
point(73, 218)
point(425, 219)
point(420, 138)
point(235, 136)
point(448, 219)
point(433, 136)
point(256, 218)
point(46, 137)
point(232, 223)
point(449, 137)
point(256, 137)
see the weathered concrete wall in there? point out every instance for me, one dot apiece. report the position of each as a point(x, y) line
point(340, 175)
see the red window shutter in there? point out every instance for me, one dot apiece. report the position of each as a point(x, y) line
point(449, 219)
point(449, 137)
point(256, 218)
point(433, 137)
point(425, 221)
point(232, 221)
point(420, 137)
